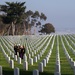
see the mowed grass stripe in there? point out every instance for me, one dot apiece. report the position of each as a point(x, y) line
point(4, 47)
point(68, 49)
point(35, 66)
point(50, 68)
point(5, 65)
point(65, 66)
point(69, 41)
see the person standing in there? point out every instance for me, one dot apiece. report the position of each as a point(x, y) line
point(22, 51)
point(15, 49)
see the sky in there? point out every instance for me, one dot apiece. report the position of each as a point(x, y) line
point(61, 13)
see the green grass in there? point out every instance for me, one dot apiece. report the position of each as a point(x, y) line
point(65, 66)
point(50, 68)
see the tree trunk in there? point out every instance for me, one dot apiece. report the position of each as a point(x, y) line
point(28, 30)
point(24, 29)
point(9, 30)
point(2, 33)
point(13, 28)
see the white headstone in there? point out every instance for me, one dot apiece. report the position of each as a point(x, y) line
point(15, 57)
point(12, 55)
point(57, 68)
point(74, 69)
point(25, 57)
point(40, 67)
point(8, 59)
point(32, 54)
point(29, 55)
point(16, 71)
point(57, 61)
point(57, 73)
point(35, 59)
point(12, 64)
point(44, 62)
point(35, 72)
point(19, 60)
point(38, 57)
point(46, 59)
point(31, 61)
point(35, 51)
point(17, 53)
point(1, 70)
point(25, 65)
point(28, 51)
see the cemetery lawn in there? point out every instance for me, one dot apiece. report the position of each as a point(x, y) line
point(50, 67)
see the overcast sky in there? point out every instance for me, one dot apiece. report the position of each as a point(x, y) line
point(61, 13)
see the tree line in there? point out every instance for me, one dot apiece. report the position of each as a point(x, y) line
point(14, 17)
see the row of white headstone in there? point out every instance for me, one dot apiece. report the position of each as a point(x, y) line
point(70, 60)
point(6, 46)
point(32, 54)
point(8, 59)
point(25, 64)
point(70, 47)
point(71, 40)
point(19, 60)
point(28, 47)
point(57, 66)
point(46, 59)
point(43, 63)
point(17, 71)
point(38, 48)
point(35, 59)
point(8, 42)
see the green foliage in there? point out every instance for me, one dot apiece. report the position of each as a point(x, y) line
point(47, 28)
point(13, 11)
point(36, 14)
point(29, 13)
point(43, 16)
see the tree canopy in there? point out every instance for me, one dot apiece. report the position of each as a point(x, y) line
point(16, 16)
point(47, 28)
point(13, 11)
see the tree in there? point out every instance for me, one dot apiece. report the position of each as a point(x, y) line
point(47, 28)
point(43, 16)
point(12, 13)
point(33, 19)
point(29, 13)
point(16, 18)
point(37, 18)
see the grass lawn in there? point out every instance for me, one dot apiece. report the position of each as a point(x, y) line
point(50, 67)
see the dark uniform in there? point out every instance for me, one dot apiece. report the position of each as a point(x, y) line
point(15, 49)
point(22, 51)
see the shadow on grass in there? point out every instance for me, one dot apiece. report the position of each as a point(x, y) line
point(46, 73)
point(23, 72)
point(9, 71)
